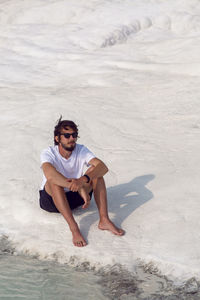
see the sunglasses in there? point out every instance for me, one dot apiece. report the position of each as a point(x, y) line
point(67, 135)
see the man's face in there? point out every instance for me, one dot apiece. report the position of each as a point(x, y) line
point(68, 139)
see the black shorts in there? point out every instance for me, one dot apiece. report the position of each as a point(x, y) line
point(74, 199)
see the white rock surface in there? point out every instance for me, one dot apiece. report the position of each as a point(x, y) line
point(128, 73)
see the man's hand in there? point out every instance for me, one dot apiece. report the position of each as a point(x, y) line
point(77, 184)
point(86, 198)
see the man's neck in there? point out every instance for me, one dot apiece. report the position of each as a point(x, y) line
point(64, 153)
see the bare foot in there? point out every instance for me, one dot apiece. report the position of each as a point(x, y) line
point(108, 225)
point(78, 239)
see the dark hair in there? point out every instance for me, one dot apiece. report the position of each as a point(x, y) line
point(63, 124)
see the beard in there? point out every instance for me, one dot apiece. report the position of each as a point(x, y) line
point(69, 148)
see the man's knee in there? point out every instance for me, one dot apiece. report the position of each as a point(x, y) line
point(98, 181)
point(51, 188)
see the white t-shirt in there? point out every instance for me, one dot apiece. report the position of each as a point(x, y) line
point(73, 167)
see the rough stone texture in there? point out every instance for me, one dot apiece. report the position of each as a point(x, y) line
point(191, 286)
point(122, 285)
point(119, 283)
point(5, 246)
point(130, 296)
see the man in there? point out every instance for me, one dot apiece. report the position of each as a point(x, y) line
point(65, 186)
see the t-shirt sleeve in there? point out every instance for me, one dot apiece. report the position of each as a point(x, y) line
point(46, 156)
point(87, 155)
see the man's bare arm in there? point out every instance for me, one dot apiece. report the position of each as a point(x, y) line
point(52, 175)
point(99, 170)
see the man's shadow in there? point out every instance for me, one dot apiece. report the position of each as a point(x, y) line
point(123, 199)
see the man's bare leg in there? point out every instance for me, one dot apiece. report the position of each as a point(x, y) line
point(59, 198)
point(100, 196)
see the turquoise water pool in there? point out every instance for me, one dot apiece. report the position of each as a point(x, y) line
point(27, 278)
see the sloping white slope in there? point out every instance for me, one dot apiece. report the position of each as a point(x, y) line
point(128, 73)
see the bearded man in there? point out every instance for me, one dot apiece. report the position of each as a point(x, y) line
point(65, 186)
